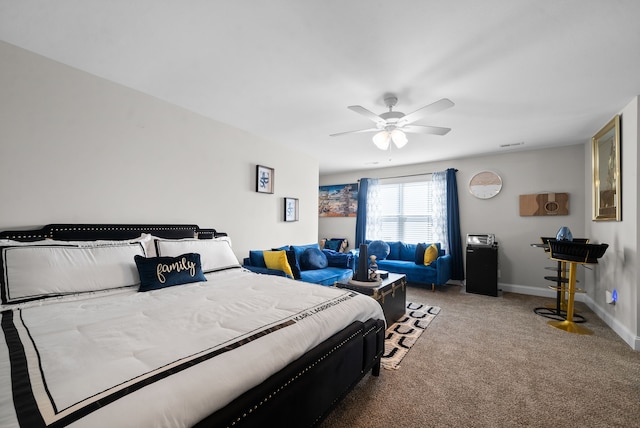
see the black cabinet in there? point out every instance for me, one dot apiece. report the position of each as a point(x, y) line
point(482, 269)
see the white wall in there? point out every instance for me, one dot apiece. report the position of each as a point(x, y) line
point(76, 148)
point(618, 268)
point(537, 171)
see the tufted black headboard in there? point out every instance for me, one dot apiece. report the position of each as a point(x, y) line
point(92, 232)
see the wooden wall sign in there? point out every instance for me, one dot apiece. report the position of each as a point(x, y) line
point(544, 204)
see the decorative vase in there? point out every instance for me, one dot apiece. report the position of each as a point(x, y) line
point(564, 234)
point(373, 269)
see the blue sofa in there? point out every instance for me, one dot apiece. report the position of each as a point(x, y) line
point(401, 258)
point(308, 263)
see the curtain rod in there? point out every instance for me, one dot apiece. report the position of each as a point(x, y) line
point(408, 175)
point(404, 176)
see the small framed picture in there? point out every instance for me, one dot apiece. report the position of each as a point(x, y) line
point(264, 179)
point(290, 209)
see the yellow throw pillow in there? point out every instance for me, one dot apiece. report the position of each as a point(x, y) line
point(430, 254)
point(278, 260)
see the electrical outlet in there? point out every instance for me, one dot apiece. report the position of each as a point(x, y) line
point(608, 297)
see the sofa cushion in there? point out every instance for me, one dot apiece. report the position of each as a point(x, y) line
point(394, 250)
point(414, 273)
point(256, 257)
point(407, 252)
point(293, 262)
point(378, 248)
point(335, 244)
point(430, 255)
point(426, 254)
point(278, 260)
point(313, 258)
point(299, 249)
point(265, 271)
point(420, 250)
point(327, 276)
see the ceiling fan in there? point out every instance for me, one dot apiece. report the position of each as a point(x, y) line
point(392, 125)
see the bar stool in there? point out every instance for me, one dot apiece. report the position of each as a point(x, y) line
point(574, 253)
point(558, 311)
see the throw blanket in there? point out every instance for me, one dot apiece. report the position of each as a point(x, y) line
point(338, 260)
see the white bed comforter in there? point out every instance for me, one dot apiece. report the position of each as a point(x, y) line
point(130, 349)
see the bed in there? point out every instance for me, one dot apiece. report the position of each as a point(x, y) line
point(158, 325)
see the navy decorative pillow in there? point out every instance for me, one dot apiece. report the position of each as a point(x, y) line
point(299, 249)
point(334, 244)
point(420, 249)
point(313, 258)
point(257, 258)
point(161, 272)
point(291, 258)
point(380, 249)
point(295, 268)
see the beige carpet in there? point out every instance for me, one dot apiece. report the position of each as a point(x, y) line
point(491, 362)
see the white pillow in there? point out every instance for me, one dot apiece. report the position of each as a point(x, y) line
point(145, 238)
point(32, 272)
point(10, 243)
point(215, 254)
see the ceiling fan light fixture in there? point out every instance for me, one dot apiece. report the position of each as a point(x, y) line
point(394, 125)
point(399, 138)
point(382, 139)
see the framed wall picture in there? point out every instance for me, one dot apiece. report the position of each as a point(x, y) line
point(339, 200)
point(290, 209)
point(606, 172)
point(264, 179)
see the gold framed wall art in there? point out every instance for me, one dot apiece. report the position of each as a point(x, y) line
point(607, 198)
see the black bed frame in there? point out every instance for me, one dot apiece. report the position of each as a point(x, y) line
point(303, 393)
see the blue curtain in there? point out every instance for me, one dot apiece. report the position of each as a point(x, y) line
point(453, 226)
point(361, 216)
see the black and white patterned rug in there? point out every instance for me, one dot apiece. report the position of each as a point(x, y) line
point(403, 333)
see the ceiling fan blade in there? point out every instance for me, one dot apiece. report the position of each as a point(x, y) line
point(367, 113)
point(421, 129)
point(354, 132)
point(439, 105)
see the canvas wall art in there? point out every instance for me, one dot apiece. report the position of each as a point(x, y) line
point(339, 200)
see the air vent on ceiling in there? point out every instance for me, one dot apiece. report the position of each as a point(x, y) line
point(512, 144)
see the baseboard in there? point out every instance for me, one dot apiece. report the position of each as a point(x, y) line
point(631, 339)
point(536, 291)
point(626, 335)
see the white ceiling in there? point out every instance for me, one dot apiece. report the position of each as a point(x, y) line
point(543, 72)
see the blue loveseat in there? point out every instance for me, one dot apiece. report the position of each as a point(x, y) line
point(399, 257)
point(308, 263)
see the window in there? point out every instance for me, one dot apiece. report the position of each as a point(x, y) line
point(406, 212)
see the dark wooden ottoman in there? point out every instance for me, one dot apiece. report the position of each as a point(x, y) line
point(391, 294)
